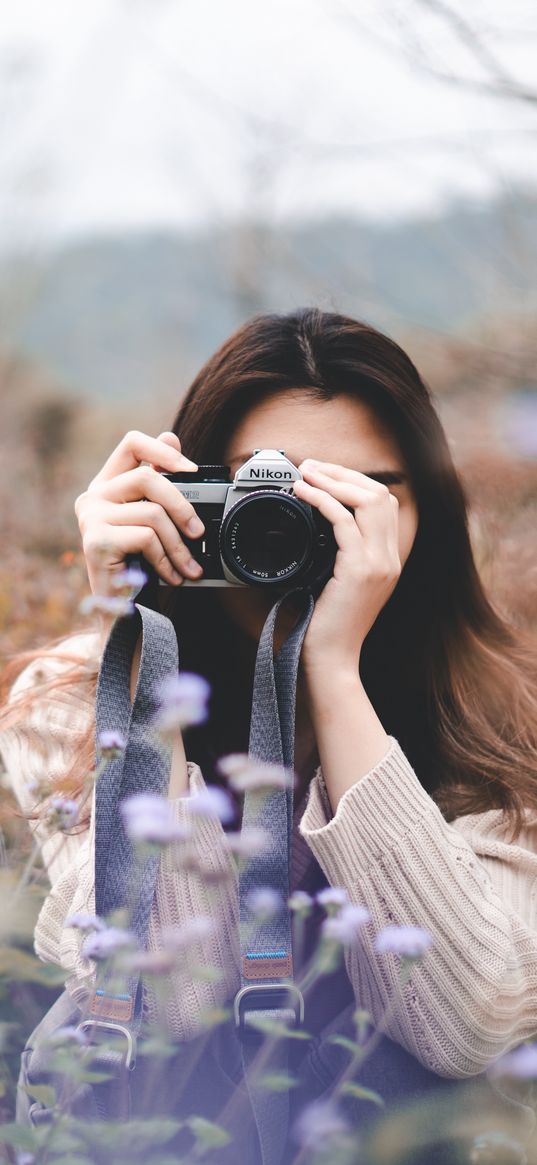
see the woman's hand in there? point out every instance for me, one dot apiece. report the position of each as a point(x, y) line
point(367, 564)
point(130, 507)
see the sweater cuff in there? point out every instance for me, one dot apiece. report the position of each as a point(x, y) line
point(374, 815)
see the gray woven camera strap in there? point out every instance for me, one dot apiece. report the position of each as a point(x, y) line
point(267, 988)
point(115, 1011)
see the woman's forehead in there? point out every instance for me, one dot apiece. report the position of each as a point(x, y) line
point(342, 429)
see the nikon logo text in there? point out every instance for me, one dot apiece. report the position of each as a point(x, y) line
point(272, 474)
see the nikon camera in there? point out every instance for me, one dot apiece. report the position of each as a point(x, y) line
point(257, 533)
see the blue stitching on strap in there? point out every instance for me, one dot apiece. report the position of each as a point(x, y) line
point(110, 994)
point(266, 954)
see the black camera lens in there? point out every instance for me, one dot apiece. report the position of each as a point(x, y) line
point(267, 537)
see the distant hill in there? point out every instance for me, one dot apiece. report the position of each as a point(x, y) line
point(119, 317)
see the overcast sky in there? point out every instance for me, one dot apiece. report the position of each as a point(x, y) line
point(117, 115)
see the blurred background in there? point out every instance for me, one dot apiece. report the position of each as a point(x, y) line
point(171, 167)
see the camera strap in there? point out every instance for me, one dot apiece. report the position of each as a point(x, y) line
point(113, 1019)
point(114, 1015)
point(267, 991)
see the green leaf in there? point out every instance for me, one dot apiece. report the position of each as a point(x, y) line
point(156, 1046)
point(88, 1076)
point(362, 1020)
point(73, 1159)
point(212, 1016)
point(211, 1135)
point(352, 1089)
point(64, 1140)
point(277, 1081)
point(41, 1092)
point(19, 1136)
point(207, 974)
point(344, 1042)
point(273, 1027)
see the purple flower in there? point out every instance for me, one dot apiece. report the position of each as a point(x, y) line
point(183, 698)
point(264, 903)
point(300, 902)
point(245, 773)
point(111, 744)
point(83, 921)
point(345, 926)
point(68, 1035)
point(132, 578)
point(62, 813)
point(213, 803)
point(116, 605)
point(247, 843)
point(411, 942)
point(149, 817)
point(332, 898)
point(103, 944)
point(176, 938)
point(151, 962)
point(318, 1125)
point(520, 1063)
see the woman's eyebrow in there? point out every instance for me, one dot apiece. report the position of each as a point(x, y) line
point(383, 476)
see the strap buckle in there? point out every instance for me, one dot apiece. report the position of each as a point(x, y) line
point(124, 1032)
point(284, 997)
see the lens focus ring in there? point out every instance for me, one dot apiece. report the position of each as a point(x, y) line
point(267, 537)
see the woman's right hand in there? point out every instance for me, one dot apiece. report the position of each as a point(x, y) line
point(130, 507)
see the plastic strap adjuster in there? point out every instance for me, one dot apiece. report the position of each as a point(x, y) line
point(267, 997)
point(87, 1024)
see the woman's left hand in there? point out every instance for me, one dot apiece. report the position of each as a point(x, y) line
point(367, 565)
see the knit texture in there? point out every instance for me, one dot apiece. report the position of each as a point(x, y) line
point(474, 995)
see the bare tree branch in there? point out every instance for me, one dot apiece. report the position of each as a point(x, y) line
point(501, 83)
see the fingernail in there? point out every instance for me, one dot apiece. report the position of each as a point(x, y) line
point(194, 567)
point(195, 526)
point(310, 464)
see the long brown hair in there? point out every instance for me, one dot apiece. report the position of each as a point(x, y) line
point(448, 676)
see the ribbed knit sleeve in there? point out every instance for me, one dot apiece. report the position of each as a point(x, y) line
point(474, 994)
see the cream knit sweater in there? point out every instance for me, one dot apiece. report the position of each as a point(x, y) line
point(472, 997)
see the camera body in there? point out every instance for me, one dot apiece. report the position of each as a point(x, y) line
point(257, 533)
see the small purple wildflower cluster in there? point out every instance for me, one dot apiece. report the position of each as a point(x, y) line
point(182, 699)
point(244, 773)
point(148, 817)
point(410, 942)
point(116, 605)
point(520, 1063)
point(61, 813)
point(111, 744)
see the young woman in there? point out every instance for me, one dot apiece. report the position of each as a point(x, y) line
point(416, 727)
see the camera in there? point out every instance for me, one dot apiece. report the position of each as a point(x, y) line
point(257, 533)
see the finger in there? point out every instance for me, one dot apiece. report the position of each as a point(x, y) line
point(144, 482)
point(374, 511)
point(143, 513)
point(340, 473)
point(132, 540)
point(170, 439)
point(136, 447)
point(346, 530)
